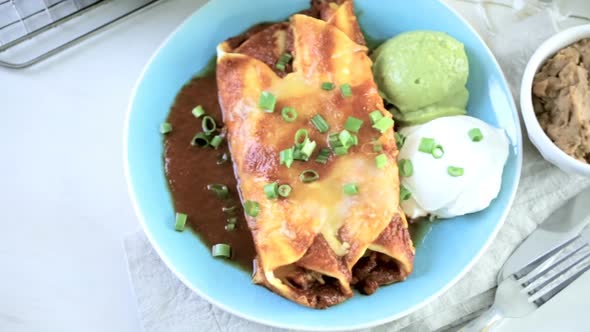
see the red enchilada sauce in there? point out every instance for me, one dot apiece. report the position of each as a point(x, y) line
point(189, 169)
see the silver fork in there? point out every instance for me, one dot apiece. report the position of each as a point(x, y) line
point(535, 284)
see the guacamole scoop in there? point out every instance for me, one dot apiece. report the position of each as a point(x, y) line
point(422, 73)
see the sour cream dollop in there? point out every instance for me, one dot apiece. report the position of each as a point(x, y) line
point(433, 190)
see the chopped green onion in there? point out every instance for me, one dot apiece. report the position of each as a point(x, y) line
point(271, 190)
point(307, 149)
point(406, 168)
point(355, 140)
point(223, 158)
point(345, 138)
point(180, 221)
point(165, 128)
point(219, 189)
point(230, 210)
point(267, 101)
point(200, 139)
point(289, 114)
point(334, 140)
point(284, 59)
point(216, 141)
point(230, 227)
point(399, 140)
point(404, 193)
point(438, 151)
point(198, 111)
point(353, 124)
point(475, 135)
point(208, 124)
point(284, 190)
point(232, 220)
point(301, 136)
point(323, 156)
point(455, 171)
point(286, 157)
point(375, 116)
point(221, 250)
point(346, 90)
point(383, 124)
point(308, 176)
point(381, 161)
point(426, 145)
point(252, 208)
point(320, 123)
point(340, 150)
point(377, 147)
point(351, 189)
point(328, 86)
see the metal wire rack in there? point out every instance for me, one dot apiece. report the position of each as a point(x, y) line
point(33, 30)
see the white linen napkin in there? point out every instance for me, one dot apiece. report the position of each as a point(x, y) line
point(165, 304)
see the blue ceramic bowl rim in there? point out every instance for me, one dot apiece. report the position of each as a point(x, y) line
point(369, 324)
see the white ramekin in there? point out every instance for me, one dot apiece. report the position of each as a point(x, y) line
point(546, 147)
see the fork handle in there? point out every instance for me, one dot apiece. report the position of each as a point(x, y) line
point(485, 322)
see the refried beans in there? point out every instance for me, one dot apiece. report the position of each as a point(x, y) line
point(561, 98)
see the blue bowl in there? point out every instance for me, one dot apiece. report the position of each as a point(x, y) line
point(446, 254)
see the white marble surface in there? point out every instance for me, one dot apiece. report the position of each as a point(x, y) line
point(64, 201)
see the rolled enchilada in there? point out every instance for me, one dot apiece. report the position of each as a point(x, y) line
point(316, 245)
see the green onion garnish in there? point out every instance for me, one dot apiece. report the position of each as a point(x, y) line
point(198, 111)
point(308, 176)
point(346, 90)
point(383, 124)
point(340, 150)
point(399, 140)
point(406, 168)
point(438, 151)
point(353, 124)
point(351, 189)
point(381, 161)
point(219, 189)
point(475, 135)
point(328, 86)
point(284, 190)
point(307, 149)
point(323, 156)
point(301, 136)
point(216, 141)
point(165, 128)
point(284, 59)
point(426, 145)
point(375, 116)
point(200, 139)
point(221, 250)
point(271, 190)
point(223, 158)
point(404, 193)
point(334, 140)
point(289, 114)
point(267, 101)
point(230, 209)
point(230, 227)
point(455, 171)
point(320, 123)
point(377, 147)
point(232, 220)
point(345, 138)
point(180, 221)
point(252, 208)
point(286, 157)
point(355, 140)
point(208, 124)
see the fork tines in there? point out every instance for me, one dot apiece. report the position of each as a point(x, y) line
point(549, 274)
